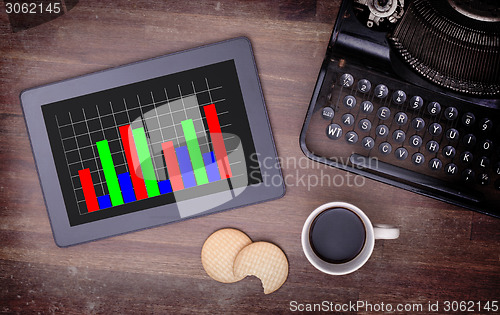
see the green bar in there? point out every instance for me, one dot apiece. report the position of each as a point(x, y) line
point(200, 173)
point(108, 168)
point(147, 168)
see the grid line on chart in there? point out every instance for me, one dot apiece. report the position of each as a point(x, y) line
point(93, 148)
point(147, 132)
point(88, 146)
point(204, 131)
point(79, 153)
point(69, 170)
point(119, 125)
point(118, 132)
point(152, 143)
point(175, 111)
point(104, 137)
point(185, 113)
point(172, 117)
point(161, 133)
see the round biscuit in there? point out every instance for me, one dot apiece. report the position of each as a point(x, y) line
point(264, 260)
point(219, 251)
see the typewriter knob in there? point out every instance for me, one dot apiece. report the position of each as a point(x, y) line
point(381, 11)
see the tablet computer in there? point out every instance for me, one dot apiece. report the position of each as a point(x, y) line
point(153, 142)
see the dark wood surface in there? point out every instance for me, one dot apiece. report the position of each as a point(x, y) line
point(443, 253)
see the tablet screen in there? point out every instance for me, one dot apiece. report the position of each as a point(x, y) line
point(151, 143)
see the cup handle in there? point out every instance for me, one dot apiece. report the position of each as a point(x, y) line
point(385, 231)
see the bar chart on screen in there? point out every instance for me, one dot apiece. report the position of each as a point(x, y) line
point(147, 149)
point(167, 140)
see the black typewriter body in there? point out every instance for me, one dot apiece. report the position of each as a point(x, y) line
point(409, 95)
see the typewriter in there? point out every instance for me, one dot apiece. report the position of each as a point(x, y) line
point(409, 95)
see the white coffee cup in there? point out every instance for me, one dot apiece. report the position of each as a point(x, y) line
point(371, 232)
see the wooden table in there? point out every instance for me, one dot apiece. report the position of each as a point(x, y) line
point(444, 253)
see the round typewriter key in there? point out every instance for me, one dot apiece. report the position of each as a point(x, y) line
point(383, 113)
point(364, 86)
point(366, 107)
point(399, 97)
point(348, 119)
point(466, 157)
point(469, 140)
point(401, 153)
point(486, 145)
point(401, 118)
point(368, 143)
point(334, 131)
point(351, 137)
point(486, 125)
point(435, 164)
point(399, 136)
point(416, 141)
point(468, 119)
point(450, 169)
point(365, 125)
point(418, 158)
point(381, 91)
point(435, 129)
point(484, 179)
point(418, 123)
point(328, 113)
point(468, 175)
point(432, 146)
point(385, 148)
point(434, 108)
point(346, 80)
point(484, 162)
point(416, 102)
point(449, 151)
point(452, 134)
point(382, 131)
point(451, 113)
point(349, 101)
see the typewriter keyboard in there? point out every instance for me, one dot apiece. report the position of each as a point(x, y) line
point(408, 136)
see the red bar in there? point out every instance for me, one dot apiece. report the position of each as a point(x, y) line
point(88, 190)
point(134, 165)
point(174, 173)
point(217, 141)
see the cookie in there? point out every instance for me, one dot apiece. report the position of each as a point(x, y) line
point(264, 260)
point(219, 252)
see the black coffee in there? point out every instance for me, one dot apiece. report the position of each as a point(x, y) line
point(337, 235)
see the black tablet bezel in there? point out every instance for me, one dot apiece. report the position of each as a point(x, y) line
point(239, 50)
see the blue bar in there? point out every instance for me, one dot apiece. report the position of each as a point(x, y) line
point(165, 186)
point(126, 187)
point(185, 167)
point(104, 201)
point(211, 167)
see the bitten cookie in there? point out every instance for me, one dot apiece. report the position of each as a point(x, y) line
point(264, 260)
point(219, 252)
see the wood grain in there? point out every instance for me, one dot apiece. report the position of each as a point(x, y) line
point(444, 252)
